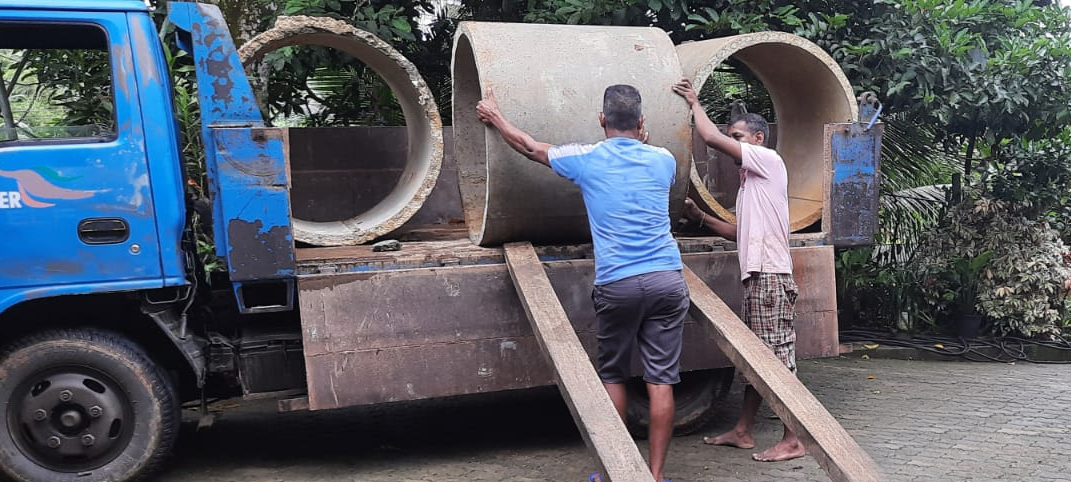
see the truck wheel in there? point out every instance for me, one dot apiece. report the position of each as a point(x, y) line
point(83, 405)
point(698, 397)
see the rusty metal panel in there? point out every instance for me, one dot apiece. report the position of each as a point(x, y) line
point(251, 188)
point(855, 153)
point(224, 93)
point(381, 336)
point(321, 161)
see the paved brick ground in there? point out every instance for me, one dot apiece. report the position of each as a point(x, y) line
point(921, 421)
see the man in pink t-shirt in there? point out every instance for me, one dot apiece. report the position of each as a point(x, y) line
point(761, 235)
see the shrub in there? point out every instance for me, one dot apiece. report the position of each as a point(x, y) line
point(1021, 289)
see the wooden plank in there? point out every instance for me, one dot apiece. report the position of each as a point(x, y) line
point(826, 441)
point(602, 429)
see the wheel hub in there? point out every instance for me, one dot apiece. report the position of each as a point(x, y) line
point(71, 420)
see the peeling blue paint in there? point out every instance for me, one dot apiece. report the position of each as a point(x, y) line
point(246, 163)
point(856, 184)
point(253, 233)
point(71, 182)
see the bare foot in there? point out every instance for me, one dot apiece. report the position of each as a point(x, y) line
point(732, 438)
point(780, 452)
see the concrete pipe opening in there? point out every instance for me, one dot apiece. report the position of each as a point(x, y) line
point(423, 128)
point(808, 90)
point(506, 197)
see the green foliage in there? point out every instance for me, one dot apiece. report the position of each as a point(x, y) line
point(188, 115)
point(388, 21)
point(977, 70)
point(731, 84)
point(741, 16)
point(1019, 288)
point(871, 293)
point(320, 86)
point(58, 92)
point(77, 80)
point(911, 204)
point(314, 86)
point(1033, 174)
point(905, 217)
point(605, 12)
point(953, 285)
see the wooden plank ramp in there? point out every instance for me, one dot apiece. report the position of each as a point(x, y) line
point(615, 453)
point(825, 440)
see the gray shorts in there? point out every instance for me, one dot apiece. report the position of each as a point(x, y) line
point(648, 309)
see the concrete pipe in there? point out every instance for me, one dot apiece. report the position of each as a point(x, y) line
point(549, 81)
point(423, 124)
point(808, 90)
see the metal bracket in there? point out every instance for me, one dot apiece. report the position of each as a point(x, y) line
point(192, 347)
point(869, 106)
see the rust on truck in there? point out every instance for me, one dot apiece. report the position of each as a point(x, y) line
point(441, 318)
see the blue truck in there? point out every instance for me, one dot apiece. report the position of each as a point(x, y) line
point(109, 324)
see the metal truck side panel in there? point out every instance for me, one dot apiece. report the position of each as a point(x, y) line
point(402, 335)
point(77, 5)
point(855, 153)
point(251, 187)
point(223, 90)
point(12, 297)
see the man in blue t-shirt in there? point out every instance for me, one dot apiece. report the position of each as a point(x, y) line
point(639, 294)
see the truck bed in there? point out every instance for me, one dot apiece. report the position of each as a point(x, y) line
point(440, 317)
point(438, 246)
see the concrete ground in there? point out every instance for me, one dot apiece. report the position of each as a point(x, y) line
point(920, 420)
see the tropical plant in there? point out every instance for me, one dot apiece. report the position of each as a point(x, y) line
point(1019, 284)
point(319, 86)
point(188, 114)
point(957, 282)
point(1034, 175)
point(979, 71)
point(56, 92)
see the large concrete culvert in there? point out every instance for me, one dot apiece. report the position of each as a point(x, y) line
point(808, 90)
point(423, 125)
point(549, 81)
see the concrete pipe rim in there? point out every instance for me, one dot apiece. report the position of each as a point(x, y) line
point(546, 207)
point(837, 91)
point(471, 168)
point(422, 120)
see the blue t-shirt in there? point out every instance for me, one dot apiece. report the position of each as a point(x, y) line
point(626, 191)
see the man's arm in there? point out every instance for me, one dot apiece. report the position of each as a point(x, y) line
point(721, 228)
point(710, 133)
point(488, 112)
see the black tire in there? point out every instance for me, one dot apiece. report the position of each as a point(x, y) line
point(698, 397)
point(83, 405)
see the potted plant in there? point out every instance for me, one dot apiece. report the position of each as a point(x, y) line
point(964, 275)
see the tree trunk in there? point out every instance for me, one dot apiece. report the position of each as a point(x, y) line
point(970, 157)
point(5, 106)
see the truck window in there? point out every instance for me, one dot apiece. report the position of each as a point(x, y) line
point(57, 83)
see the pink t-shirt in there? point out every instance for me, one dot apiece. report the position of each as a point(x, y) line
point(762, 212)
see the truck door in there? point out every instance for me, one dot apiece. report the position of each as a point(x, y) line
point(76, 208)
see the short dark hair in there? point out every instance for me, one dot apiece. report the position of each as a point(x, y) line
point(621, 107)
point(754, 123)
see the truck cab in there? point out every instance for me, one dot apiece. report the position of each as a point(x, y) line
point(93, 198)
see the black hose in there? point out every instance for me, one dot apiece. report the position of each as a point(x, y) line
point(1006, 349)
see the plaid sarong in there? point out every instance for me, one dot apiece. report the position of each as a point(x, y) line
point(769, 308)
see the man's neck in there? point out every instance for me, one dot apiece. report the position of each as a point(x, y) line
point(631, 134)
